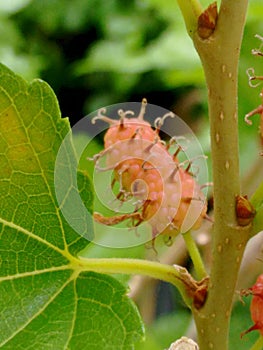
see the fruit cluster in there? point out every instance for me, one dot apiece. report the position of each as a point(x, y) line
point(165, 194)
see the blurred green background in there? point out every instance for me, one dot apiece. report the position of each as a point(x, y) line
point(95, 53)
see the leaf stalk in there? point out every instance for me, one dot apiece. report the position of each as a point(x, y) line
point(175, 275)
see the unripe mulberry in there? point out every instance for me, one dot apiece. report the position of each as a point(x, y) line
point(256, 306)
point(166, 195)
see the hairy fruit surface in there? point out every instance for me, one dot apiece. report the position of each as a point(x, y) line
point(163, 190)
point(256, 306)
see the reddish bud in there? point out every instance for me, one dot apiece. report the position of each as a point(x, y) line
point(244, 211)
point(207, 21)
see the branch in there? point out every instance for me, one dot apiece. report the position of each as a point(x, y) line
point(219, 53)
point(191, 10)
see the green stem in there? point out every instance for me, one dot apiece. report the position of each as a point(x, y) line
point(258, 344)
point(176, 276)
point(195, 255)
point(220, 55)
point(191, 10)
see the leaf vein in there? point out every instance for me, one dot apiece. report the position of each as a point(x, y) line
point(36, 237)
point(37, 313)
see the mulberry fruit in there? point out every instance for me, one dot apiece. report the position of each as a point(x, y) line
point(165, 194)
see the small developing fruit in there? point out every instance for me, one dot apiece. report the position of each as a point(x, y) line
point(256, 306)
point(165, 194)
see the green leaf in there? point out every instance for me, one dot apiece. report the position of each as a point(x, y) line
point(47, 300)
point(241, 321)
